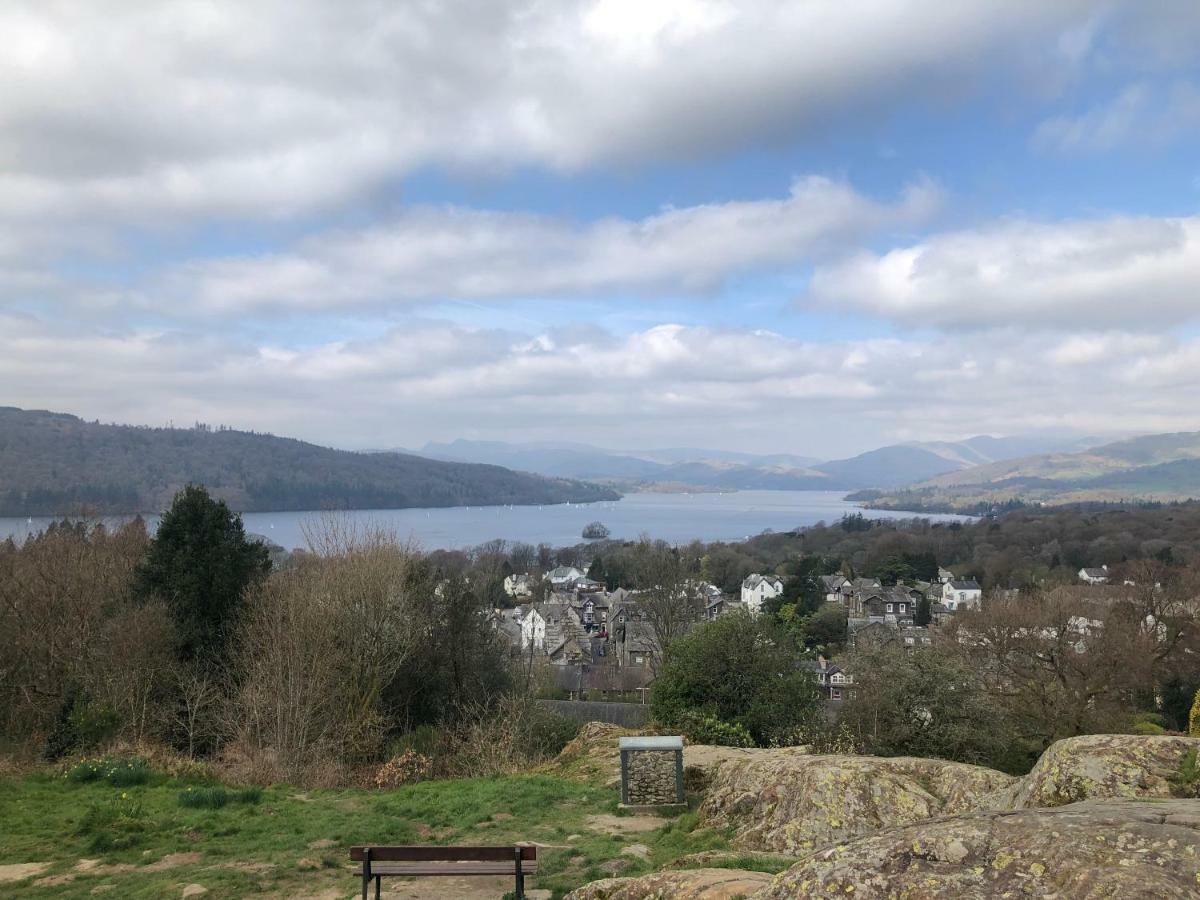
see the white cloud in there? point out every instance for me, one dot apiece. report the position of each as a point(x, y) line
point(141, 112)
point(1139, 272)
point(433, 253)
point(750, 390)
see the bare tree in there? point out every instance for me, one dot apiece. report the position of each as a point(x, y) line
point(668, 599)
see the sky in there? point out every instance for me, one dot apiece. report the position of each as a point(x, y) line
point(811, 227)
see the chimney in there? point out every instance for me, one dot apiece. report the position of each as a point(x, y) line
point(822, 663)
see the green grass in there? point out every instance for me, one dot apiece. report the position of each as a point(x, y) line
point(275, 841)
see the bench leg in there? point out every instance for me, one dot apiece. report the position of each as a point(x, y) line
point(520, 891)
point(366, 883)
point(378, 879)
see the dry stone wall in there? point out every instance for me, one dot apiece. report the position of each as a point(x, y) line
point(652, 778)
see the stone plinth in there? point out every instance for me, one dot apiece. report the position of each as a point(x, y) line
point(652, 773)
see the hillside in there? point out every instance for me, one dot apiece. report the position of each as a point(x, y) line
point(1158, 467)
point(886, 467)
point(52, 463)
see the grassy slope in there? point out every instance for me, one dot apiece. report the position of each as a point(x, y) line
point(40, 818)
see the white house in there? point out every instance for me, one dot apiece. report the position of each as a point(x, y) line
point(533, 629)
point(563, 576)
point(959, 594)
point(517, 586)
point(1094, 576)
point(757, 589)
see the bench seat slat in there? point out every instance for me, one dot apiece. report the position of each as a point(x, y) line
point(442, 854)
point(528, 867)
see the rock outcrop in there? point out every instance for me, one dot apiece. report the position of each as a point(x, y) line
point(794, 803)
point(1098, 766)
point(592, 756)
point(690, 884)
point(1128, 849)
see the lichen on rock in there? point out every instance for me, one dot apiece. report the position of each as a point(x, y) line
point(1098, 848)
point(796, 803)
point(1099, 766)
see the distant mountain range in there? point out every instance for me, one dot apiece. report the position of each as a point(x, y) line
point(1153, 467)
point(887, 467)
point(55, 464)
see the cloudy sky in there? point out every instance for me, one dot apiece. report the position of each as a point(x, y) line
point(816, 226)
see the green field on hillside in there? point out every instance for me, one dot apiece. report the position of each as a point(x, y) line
point(153, 839)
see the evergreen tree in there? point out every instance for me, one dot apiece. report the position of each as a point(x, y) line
point(924, 612)
point(200, 564)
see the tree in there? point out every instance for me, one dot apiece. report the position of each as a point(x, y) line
point(741, 671)
point(200, 565)
point(926, 703)
point(668, 600)
point(595, 531)
point(1060, 664)
point(924, 612)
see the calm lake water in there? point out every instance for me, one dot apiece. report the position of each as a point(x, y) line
point(677, 518)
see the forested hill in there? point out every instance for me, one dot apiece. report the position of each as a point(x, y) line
point(54, 464)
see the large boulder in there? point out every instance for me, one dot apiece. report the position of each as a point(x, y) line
point(690, 884)
point(1128, 849)
point(1098, 766)
point(793, 803)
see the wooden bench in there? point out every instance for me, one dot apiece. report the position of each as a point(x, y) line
point(381, 862)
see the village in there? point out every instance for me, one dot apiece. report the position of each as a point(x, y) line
point(601, 645)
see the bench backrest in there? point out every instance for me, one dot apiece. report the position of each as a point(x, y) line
point(444, 854)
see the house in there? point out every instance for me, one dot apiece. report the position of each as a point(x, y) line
point(1094, 576)
point(833, 683)
point(592, 610)
point(896, 604)
point(836, 588)
point(721, 605)
point(518, 586)
point(757, 589)
point(959, 594)
point(944, 575)
point(636, 644)
point(563, 576)
point(533, 628)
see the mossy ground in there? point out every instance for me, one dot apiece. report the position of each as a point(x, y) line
point(288, 842)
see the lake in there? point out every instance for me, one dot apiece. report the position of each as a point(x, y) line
point(677, 518)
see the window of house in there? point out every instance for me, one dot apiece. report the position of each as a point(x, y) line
point(836, 679)
point(835, 694)
point(903, 607)
point(852, 695)
point(889, 607)
point(908, 640)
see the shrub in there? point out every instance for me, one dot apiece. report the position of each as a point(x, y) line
point(1194, 717)
point(1186, 782)
point(406, 768)
point(117, 824)
point(1148, 728)
point(116, 770)
point(81, 725)
point(546, 733)
point(738, 670)
point(216, 796)
point(703, 728)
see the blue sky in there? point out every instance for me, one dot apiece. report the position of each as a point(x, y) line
point(791, 227)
